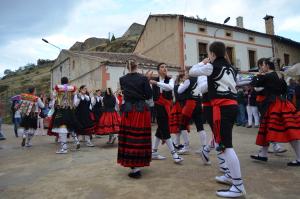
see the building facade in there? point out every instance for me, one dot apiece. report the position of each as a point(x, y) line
point(183, 41)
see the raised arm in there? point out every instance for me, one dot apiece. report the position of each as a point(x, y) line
point(201, 69)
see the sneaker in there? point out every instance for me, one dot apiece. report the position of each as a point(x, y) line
point(62, 151)
point(257, 157)
point(135, 175)
point(233, 192)
point(278, 150)
point(184, 151)
point(177, 159)
point(178, 147)
point(294, 163)
point(224, 179)
point(156, 156)
point(89, 144)
point(28, 144)
point(205, 156)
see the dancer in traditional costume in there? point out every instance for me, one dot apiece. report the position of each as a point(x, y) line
point(260, 97)
point(176, 112)
point(109, 122)
point(192, 110)
point(162, 87)
point(63, 118)
point(222, 93)
point(134, 148)
point(280, 119)
point(30, 103)
point(83, 111)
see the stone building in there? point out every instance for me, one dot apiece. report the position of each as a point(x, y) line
point(97, 70)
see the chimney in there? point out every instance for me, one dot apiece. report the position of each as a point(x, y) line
point(269, 24)
point(239, 22)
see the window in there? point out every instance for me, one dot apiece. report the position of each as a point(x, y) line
point(202, 51)
point(251, 39)
point(229, 51)
point(286, 59)
point(228, 33)
point(252, 61)
point(202, 29)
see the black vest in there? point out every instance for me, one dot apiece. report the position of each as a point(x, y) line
point(179, 97)
point(222, 81)
point(165, 94)
point(191, 92)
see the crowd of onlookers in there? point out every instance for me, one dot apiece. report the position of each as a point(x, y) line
point(248, 114)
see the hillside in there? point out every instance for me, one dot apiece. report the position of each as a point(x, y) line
point(39, 76)
point(18, 82)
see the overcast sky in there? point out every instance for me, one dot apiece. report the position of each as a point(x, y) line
point(63, 22)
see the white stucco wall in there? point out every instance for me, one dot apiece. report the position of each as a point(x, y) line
point(239, 41)
point(115, 72)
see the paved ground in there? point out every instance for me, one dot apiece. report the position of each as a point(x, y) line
point(38, 172)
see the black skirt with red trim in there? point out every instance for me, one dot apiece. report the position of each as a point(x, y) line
point(134, 148)
point(281, 123)
point(108, 123)
point(175, 119)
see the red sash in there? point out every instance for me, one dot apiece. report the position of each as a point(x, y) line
point(206, 104)
point(166, 103)
point(216, 104)
point(260, 98)
point(189, 108)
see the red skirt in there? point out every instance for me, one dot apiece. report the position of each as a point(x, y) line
point(109, 122)
point(49, 131)
point(281, 123)
point(175, 118)
point(134, 148)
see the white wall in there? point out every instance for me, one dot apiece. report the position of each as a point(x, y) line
point(115, 72)
point(239, 41)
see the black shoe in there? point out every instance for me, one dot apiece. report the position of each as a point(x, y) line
point(135, 175)
point(249, 126)
point(294, 163)
point(257, 157)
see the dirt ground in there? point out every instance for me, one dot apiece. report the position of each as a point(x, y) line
point(38, 172)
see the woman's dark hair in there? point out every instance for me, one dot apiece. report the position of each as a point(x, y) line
point(64, 80)
point(81, 87)
point(218, 48)
point(260, 61)
point(109, 92)
point(158, 66)
point(269, 63)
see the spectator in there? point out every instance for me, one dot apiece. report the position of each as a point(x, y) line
point(297, 95)
point(15, 108)
point(252, 109)
point(2, 137)
point(291, 90)
point(241, 119)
